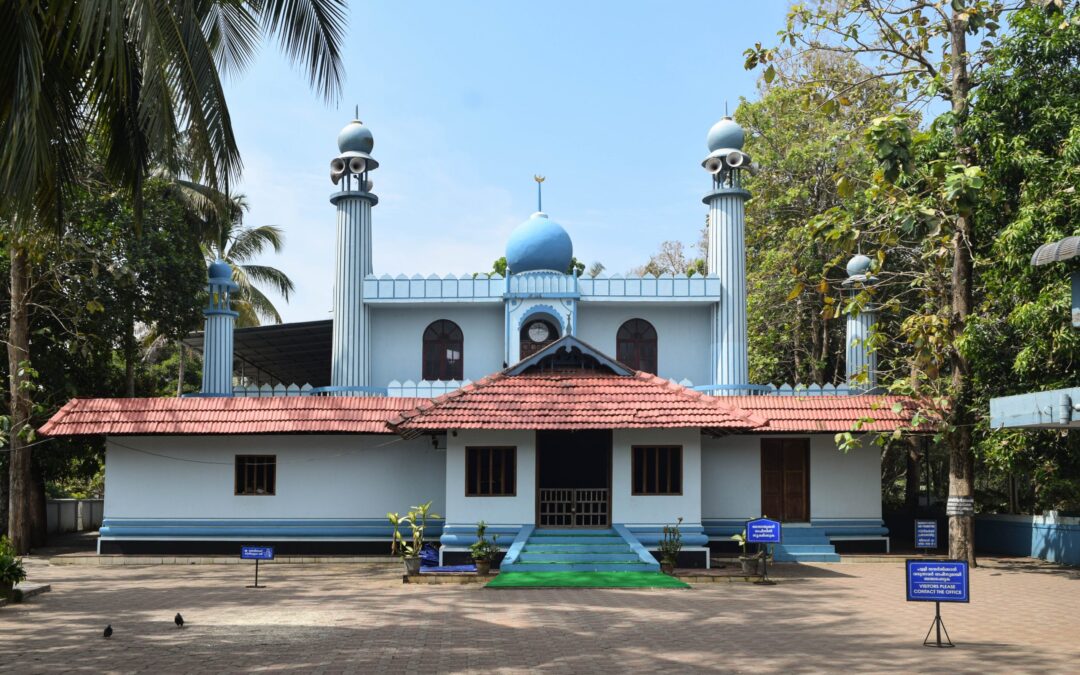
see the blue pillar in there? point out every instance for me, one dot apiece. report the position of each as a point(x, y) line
point(218, 334)
point(727, 254)
point(351, 330)
point(860, 360)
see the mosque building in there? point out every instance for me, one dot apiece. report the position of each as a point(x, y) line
point(538, 401)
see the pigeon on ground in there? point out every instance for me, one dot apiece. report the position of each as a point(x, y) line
point(108, 631)
point(179, 620)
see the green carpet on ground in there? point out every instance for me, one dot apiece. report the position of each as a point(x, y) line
point(585, 580)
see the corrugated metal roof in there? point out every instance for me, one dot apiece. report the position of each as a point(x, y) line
point(223, 415)
point(575, 400)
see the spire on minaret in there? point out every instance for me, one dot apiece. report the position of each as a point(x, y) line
point(539, 196)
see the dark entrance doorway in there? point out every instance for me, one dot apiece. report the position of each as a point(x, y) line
point(573, 479)
point(785, 479)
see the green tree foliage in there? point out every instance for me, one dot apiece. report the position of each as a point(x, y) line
point(576, 267)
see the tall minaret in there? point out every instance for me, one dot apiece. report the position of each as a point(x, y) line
point(727, 253)
point(349, 367)
point(860, 361)
point(218, 334)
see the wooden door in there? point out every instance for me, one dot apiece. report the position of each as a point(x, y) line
point(785, 479)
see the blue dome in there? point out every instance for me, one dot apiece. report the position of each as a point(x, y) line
point(725, 134)
point(858, 266)
point(539, 244)
point(355, 137)
point(219, 269)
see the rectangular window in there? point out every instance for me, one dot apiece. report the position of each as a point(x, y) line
point(256, 474)
point(657, 470)
point(490, 472)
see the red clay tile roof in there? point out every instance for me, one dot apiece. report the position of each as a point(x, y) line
point(221, 415)
point(808, 414)
point(576, 400)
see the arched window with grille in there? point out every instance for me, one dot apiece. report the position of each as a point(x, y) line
point(444, 347)
point(635, 345)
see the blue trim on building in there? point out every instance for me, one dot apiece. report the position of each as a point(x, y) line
point(292, 528)
point(1057, 542)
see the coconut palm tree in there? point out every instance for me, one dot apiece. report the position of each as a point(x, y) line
point(230, 240)
point(138, 78)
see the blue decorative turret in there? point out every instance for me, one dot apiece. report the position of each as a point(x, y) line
point(351, 333)
point(860, 361)
point(218, 334)
point(539, 244)
point(727, 253)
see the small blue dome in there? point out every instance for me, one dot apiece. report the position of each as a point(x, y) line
point(219, 269)
point(725, 134)
point(539, 244)
point(355, 137)
point(858, 266)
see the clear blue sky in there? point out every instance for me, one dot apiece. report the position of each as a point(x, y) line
point(610, 100)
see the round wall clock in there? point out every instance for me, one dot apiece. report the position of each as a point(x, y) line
point(538, 331)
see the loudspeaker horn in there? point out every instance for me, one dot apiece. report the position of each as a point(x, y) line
point(337, 169)
point(735, 159)
point(357, 165)
point(714, 165)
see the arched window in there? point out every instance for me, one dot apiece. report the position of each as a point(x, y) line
point(635, 345)
point(443, 351)
point(535, 335)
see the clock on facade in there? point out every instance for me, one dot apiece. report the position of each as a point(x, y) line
point(538, 331)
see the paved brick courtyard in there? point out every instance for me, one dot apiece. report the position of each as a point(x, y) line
point(1024, 617)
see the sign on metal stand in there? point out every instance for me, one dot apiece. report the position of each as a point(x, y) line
point(937, 581)
point(256, 553)
point(762, 531)
point(926, 535)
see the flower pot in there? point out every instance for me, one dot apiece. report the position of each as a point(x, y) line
point(412, 565)
point(667, 568)
point(483, 567)
point(749, 565)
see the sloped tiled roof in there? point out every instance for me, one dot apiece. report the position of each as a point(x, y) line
point(829, 413)
point(223, 415)
point(575, 400)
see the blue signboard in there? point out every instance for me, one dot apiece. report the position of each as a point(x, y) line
point(762, 531)
point(925, 534)
point(257, 552)
point(937, 581)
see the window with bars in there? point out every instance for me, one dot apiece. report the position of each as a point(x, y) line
point(256, 474)
point(444, 345)
point(657, 470)
point(635, 345)
point(491, 472)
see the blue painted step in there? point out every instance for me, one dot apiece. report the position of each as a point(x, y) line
point(578, 551)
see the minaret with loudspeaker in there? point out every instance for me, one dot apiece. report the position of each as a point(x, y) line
point(349, 372)
point(860, 358)
point(218, 334)
point(727, 255)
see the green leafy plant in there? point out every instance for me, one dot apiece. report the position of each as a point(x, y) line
point(741, 539)
point(482, 548)
point(11, 567)
point(416, 519)
point(671, 543)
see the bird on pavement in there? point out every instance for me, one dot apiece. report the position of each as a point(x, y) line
point(179, 620)
point(108, 631)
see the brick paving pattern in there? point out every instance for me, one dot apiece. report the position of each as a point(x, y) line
point(359, 618)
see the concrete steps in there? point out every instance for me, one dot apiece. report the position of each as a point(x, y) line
point(578, 551)
point(805, 544)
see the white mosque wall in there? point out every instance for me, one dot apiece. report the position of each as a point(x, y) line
point(842, 485)
point(655, 509)
point(318, 476)
point(683, 334)
point(397, 339)
point(518, 509)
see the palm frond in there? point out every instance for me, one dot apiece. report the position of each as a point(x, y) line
point(310, 33)
point(248, 242)
point(269, 276)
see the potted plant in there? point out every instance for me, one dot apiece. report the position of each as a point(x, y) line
point(670, 547)
point(482, 550)
point(11, 568)
point(749, 562)
point(409, 551)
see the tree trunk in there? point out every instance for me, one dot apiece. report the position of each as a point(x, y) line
point(961, 505)
point(911, 480)
point(18, 352)
point(129, 358)
point(39, 523)
point(180, 369)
